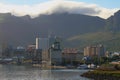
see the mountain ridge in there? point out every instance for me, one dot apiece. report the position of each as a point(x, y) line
point(23, 30)
point(58, 24)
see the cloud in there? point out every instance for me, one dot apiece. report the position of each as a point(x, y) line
point(57, 6)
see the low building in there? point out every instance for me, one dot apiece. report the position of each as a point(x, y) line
point(34, 54)
point(70, 55)
point(19, 52)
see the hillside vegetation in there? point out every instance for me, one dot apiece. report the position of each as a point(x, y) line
point(111, 40)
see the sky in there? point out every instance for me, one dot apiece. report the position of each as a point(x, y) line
point(101, 8)
point(104, 3)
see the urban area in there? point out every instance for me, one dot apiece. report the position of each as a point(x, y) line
point(50, 53)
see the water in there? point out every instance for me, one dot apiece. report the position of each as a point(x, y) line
point(10, 72)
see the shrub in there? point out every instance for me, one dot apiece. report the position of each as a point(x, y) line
point(117, 66)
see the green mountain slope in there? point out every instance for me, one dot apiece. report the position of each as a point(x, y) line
point(109, 39)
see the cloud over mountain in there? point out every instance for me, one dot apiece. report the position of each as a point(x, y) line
point(57, 6)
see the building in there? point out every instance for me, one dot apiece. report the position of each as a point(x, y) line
point(19, 52)
point(42, 46)
point(55, 51)
point(42, 43)
point(71, 55)
point(51, 49)
point(45, 56)
point(100, 51)
point(30, 52)
point(92, 51)
point(7, 51)
point(33, 54)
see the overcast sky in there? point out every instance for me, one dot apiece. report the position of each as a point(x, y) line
point(101, 8)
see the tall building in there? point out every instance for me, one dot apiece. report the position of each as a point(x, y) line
point(100, 51)
point(42, 43)
point(51, 48)
point(55, 51)
point(92, 51)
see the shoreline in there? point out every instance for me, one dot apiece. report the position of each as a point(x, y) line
point(102, 75)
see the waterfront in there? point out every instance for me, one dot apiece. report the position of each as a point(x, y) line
point(13, 72)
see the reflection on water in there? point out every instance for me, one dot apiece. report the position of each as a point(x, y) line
point(10, 72)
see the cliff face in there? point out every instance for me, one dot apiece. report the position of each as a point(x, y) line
point(113, 22)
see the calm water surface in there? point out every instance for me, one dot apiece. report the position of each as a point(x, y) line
point(10, 72)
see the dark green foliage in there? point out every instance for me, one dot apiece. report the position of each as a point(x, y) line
point(117, 66)
point(102, 75)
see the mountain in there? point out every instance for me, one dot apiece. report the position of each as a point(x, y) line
point(110, 36)
point(113, 22)
point(76, 30)
point(23, 30)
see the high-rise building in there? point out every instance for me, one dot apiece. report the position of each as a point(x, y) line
point(55, 51)
point(51, 48)
point(42, 43)
point(92, 51)
point(100, 51)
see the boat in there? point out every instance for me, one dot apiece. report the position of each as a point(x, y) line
point(84, 66)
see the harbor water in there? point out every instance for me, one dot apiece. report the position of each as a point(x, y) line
point(14, 72)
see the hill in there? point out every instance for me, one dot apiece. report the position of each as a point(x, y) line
point(109, 39)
